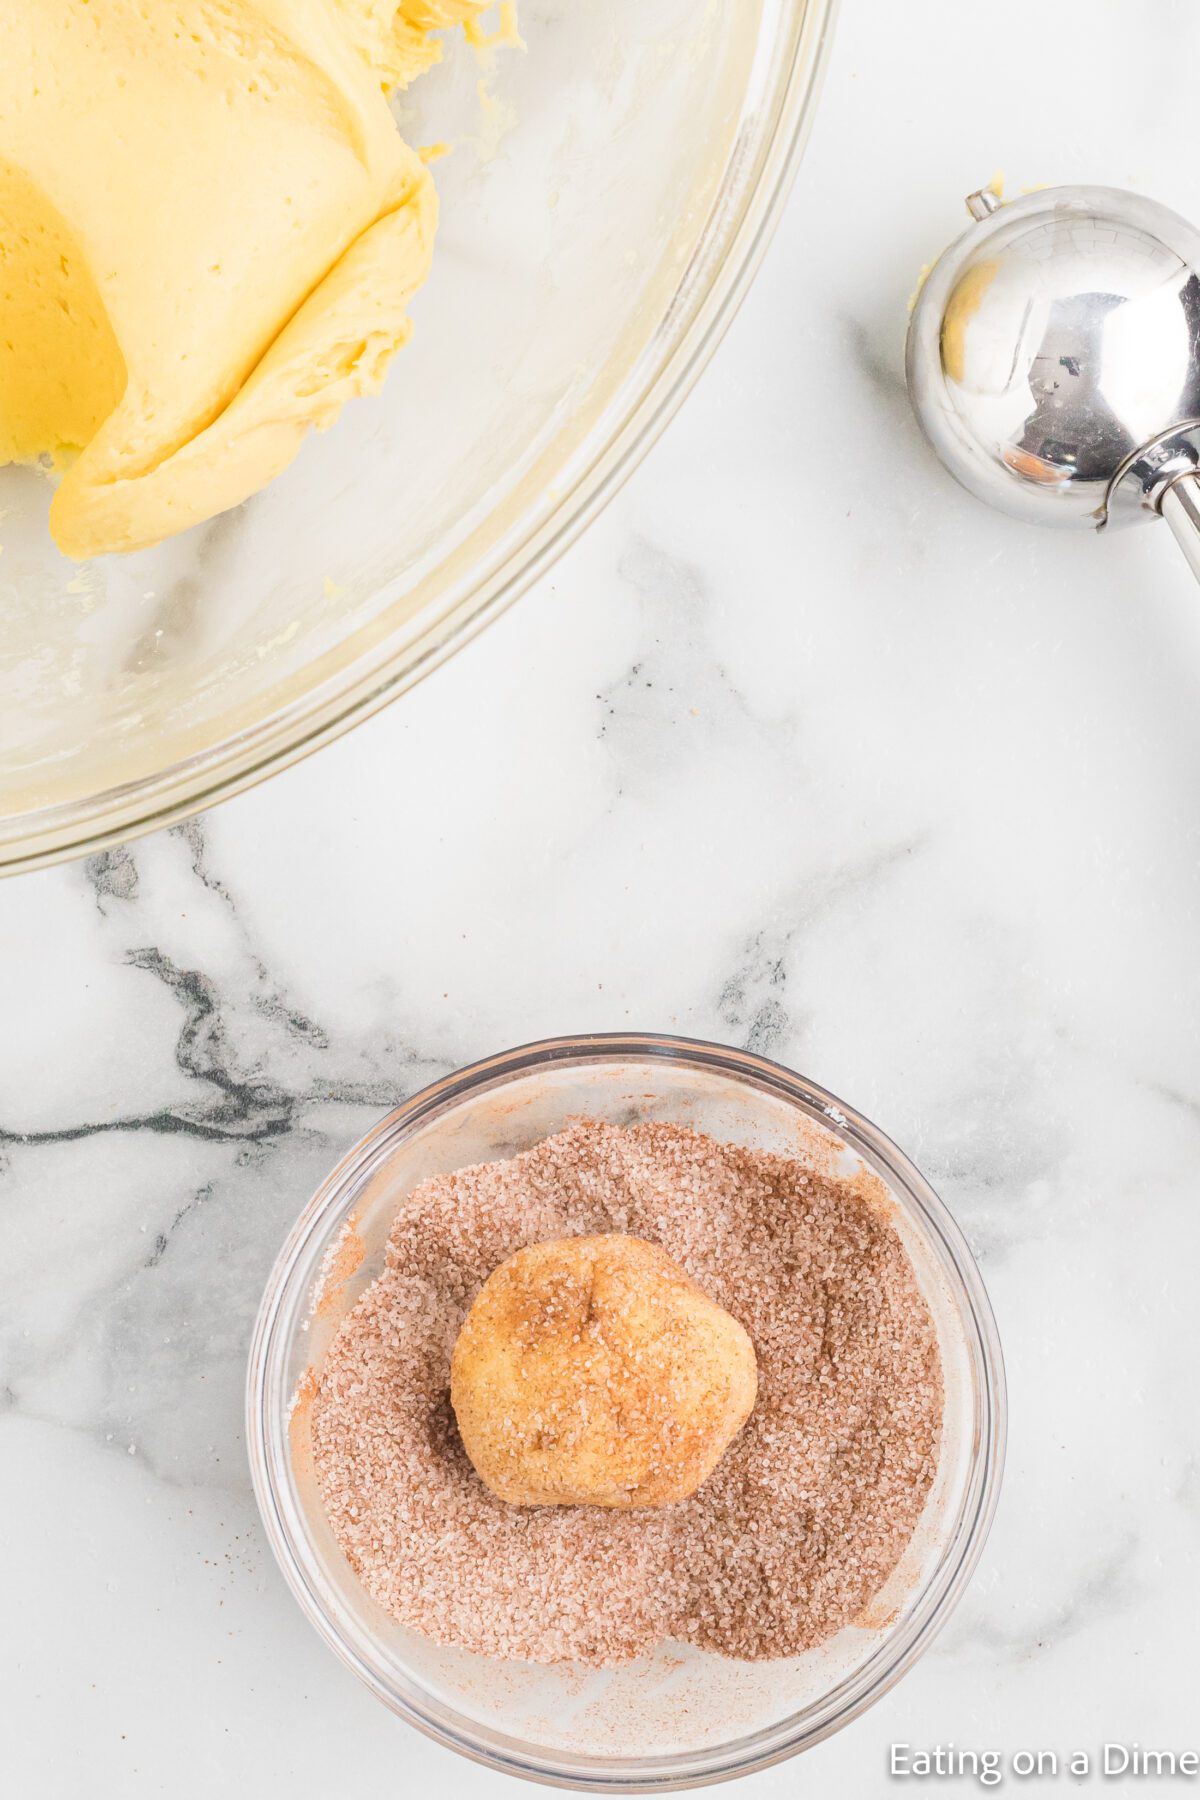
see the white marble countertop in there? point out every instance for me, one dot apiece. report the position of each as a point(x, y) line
point(798, 748)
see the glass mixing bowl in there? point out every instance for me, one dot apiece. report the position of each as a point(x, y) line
point(608, 196)
point(680, 1717)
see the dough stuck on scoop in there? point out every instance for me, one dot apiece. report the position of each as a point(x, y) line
point(593, 1371)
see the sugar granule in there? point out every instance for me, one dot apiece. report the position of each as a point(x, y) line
point(803, 1519)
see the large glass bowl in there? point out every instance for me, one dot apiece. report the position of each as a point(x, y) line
point(608, 195)
point(680, 1717)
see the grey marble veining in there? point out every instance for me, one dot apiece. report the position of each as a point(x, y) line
point(861, 777)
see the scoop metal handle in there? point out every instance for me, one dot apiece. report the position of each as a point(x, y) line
point(1180, 507)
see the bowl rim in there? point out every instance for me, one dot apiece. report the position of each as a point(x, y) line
point(615, 443)
point(268, 1448)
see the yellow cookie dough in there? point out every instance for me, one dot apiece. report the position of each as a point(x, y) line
point(210, 230)
point(593, 1371)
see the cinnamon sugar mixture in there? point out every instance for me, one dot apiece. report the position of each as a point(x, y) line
point(806, 1514)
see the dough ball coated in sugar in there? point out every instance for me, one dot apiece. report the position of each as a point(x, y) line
point(593, 1371)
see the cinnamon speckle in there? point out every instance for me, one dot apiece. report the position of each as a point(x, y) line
point(803, 1519)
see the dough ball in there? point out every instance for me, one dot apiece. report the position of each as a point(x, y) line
point(593, 1372)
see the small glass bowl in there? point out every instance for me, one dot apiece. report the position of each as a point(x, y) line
point(678, 1718)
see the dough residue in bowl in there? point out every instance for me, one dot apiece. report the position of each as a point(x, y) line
point(803, 1519)
point(210, 231)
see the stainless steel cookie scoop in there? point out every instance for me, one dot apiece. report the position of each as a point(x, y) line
point(1054, 359)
